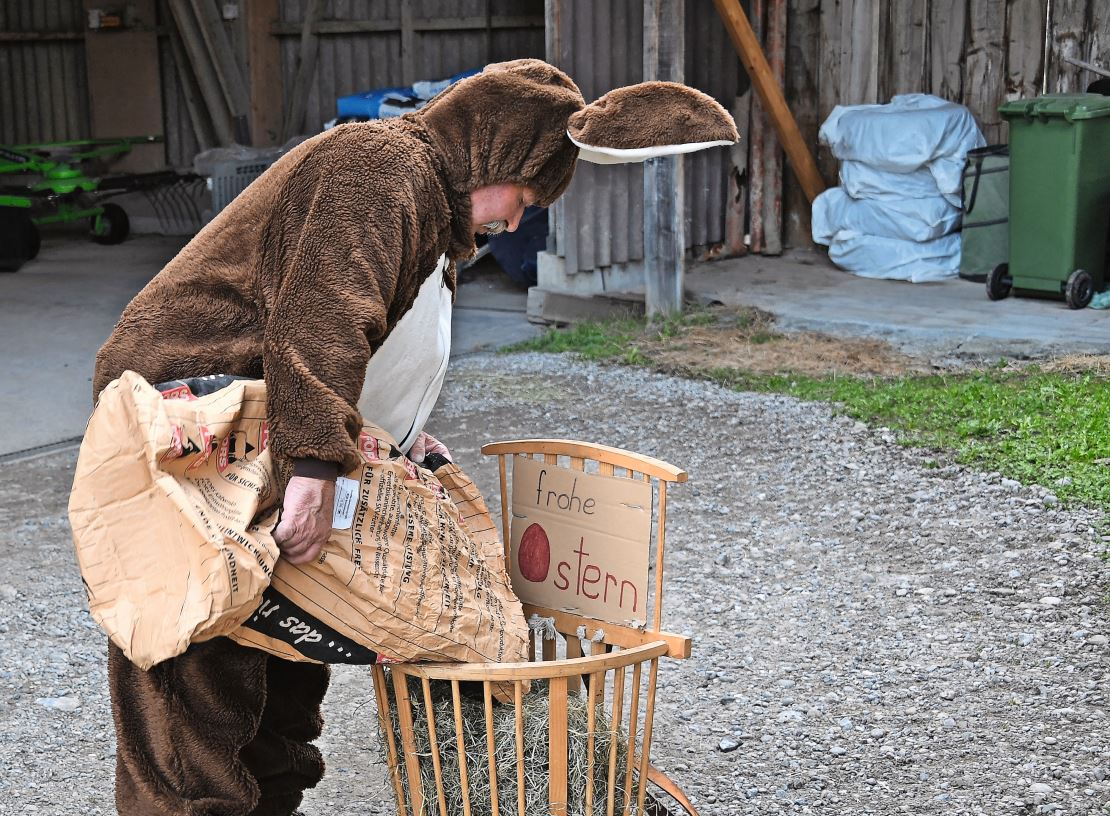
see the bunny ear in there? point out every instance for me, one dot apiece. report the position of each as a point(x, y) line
point(651, 119)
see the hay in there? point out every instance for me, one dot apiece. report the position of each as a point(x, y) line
point(535, 707)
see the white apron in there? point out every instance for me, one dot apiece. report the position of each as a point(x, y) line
point(405, 375)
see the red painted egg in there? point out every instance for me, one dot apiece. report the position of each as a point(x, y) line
point(534, 555)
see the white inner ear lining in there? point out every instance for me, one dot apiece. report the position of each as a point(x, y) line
point(613, 155)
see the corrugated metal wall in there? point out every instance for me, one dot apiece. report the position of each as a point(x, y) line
point(599, 221)
point(359, 61)
point(713, 67)
point(43, 90)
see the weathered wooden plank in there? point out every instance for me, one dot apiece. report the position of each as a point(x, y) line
point(985, 67)
point(1024, 48)
point(737, 209)
point(903, 51)
point(772, 165)
point(757, 153)
point(803, 37)
point(947, 48)
point(828, 78)
point(1068, 39)
point(264, 72)
point(859, 52)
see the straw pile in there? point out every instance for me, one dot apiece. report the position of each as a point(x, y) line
point(535, 715)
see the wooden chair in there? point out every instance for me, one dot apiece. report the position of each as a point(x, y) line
point(600, 672)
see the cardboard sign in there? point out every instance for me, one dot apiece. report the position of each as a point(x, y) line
point(580, 541)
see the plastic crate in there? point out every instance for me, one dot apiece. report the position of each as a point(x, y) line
point(229, 178)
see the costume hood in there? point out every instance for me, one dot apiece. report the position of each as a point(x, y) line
point(526, 122)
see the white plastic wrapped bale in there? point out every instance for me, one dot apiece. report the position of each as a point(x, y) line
point(861, 180)
point(873, 256)
point(908, 219)
point(912, 132)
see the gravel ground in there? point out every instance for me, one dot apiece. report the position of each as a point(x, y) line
point(874, 632)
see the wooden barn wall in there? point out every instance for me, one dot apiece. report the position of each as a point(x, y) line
point(980, 53)
point(351, 61)
point(599, 220)
point(43, 85)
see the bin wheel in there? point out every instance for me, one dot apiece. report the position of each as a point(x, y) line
point(111, 226)
point(1079, 289)
point(999, 282)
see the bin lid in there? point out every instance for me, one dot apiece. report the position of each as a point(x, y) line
point(1070, 106)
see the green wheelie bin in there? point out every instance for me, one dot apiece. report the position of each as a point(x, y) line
point(1059, 198)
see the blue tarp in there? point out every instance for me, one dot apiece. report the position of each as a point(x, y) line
point(382, 103)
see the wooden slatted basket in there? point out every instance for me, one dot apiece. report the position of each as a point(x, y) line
point(592, 687)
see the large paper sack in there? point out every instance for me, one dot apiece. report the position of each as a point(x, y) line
point(172, 513)
point(413, 571)
point(171, 510)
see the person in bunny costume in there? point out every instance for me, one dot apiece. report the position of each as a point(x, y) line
point(332, 278)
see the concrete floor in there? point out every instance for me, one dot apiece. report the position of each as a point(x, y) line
point(948, 321)
point(57, 310)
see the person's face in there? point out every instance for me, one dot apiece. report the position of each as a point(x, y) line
point(499, 207)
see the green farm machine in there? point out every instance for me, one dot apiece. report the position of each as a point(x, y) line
point(51, 185)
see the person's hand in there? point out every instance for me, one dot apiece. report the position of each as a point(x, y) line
point(306, 517)
point(425, 444)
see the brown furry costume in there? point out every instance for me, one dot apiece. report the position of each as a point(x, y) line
point(299, 281)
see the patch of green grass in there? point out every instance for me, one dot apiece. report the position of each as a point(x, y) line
point(1030, 425)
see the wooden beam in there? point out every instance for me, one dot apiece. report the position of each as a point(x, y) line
point(751, 55)
point(225, 66)
point(190, 91)
point(207, 82)
point(664, 188)
point(264, 72)
point(306, 70)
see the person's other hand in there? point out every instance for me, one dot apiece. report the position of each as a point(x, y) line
point(306, 517)
point(425, 444)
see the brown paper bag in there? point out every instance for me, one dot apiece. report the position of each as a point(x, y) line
point(172, 513)
point(414, 571)
point(171, 510)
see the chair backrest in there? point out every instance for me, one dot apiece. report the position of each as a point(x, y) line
point(605, 461)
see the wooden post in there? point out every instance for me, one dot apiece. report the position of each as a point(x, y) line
point(738, 180)
point(207, 82)
point(757, 130)
point(770, 93)
point(194, 100)
point(664, 199)
point(306, 71)
point(772, 150)
point(226, 67)
point(266, 86)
